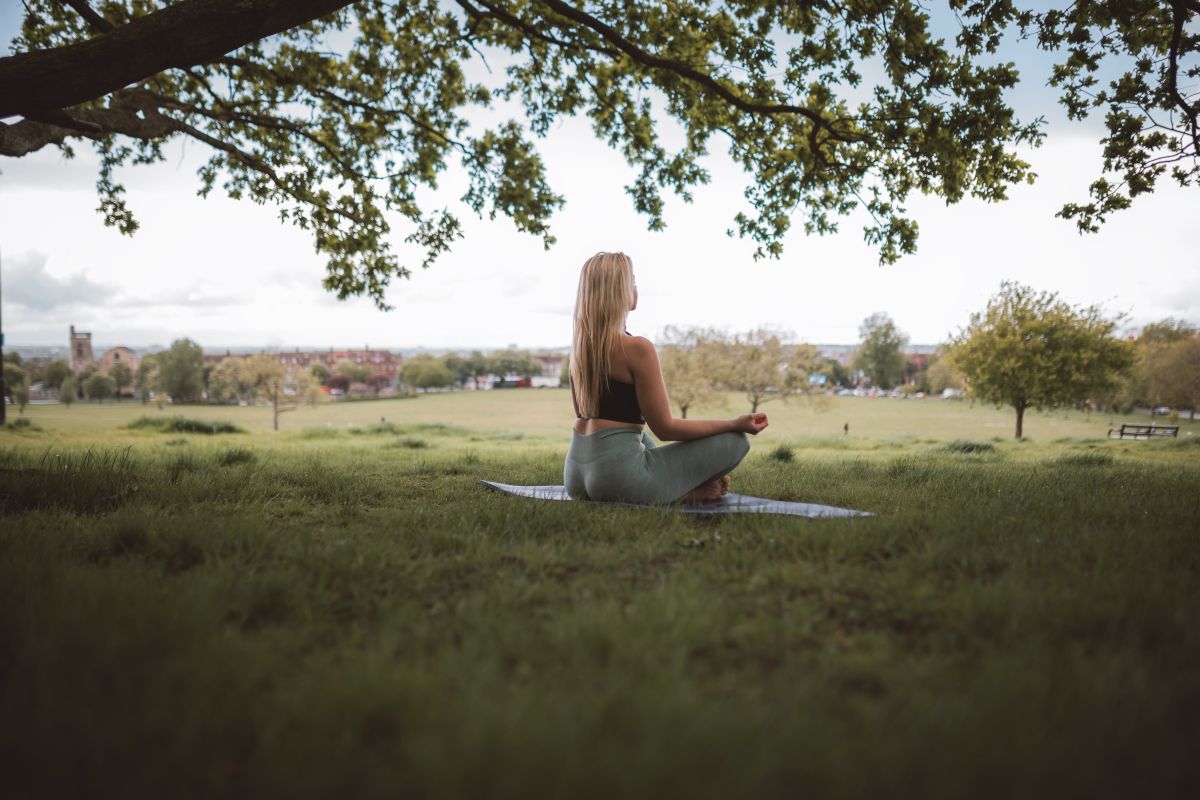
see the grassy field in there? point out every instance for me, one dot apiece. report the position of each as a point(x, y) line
point(340, 608)
point(546, 414)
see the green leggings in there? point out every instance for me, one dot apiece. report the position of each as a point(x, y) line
point(624, 464)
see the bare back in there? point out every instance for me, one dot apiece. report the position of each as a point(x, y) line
point(619, 370)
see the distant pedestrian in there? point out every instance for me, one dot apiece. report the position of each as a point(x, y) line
point(846, 429)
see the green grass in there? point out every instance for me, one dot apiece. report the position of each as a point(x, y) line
point(307, 615)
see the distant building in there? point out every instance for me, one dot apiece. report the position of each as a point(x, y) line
point(552, 366)
point(119, 355)
point(383, 363)
point(80, 353)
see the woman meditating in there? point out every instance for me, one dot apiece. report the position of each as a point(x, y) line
point(617, 387)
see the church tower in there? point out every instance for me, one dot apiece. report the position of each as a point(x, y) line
point(81, 351)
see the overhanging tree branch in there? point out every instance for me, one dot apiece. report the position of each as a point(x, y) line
point(182, 35)
point(653, 61)
point(98, 23)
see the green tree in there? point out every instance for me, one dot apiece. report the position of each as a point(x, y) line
point(14, 376)
point(320, 372)
point(1167, 331)
point(942, 374)
point(512, 362)
point(342, 113)
point(456, 364)
point(20, 394)
point(1031, 350)
point(226, 382)
point(181, 371)
point(1150, 380)
point(759, 364)
point(1175, 376)
point(122, 377)
point(67, 391)
point(692, 362)
point(99, 387)
point(880, 351)
point(55, 373)
point(82, 377)
point(282, 390)
point(836, 372)
point(356, 373)
point(146, 380)
point(426, 372)
point(476, 365)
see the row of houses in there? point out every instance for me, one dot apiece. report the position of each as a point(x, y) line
point(384, 364)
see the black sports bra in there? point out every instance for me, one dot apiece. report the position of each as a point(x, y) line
point(618, 402)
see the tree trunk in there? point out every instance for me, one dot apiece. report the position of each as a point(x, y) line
point(1020, 419)
point(753, 405)
point(275, 406)
point(683, 411)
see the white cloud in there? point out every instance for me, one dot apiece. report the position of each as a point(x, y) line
point(28, 284)
point(228, 273)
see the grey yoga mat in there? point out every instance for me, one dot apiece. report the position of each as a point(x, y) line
point(731, 503)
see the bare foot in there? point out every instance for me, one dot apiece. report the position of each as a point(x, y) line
point(708, 492)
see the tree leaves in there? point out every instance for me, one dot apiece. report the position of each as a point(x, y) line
point(348, 121)
point(1031, 350)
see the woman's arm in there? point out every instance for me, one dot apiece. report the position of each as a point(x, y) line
point(656, 407)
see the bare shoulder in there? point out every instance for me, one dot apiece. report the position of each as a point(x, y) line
point(640, 355)
point(639, 347)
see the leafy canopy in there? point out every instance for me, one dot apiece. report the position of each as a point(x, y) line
point(692, 360)
point(879, 351)
point(1031, 350)
point(344, 114)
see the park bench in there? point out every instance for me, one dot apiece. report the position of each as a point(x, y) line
point(1143, 431)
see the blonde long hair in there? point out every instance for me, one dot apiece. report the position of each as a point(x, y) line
point(602, 301)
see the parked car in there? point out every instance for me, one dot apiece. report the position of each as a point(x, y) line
point(1161, 411)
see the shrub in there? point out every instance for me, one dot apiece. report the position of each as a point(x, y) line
point(321, 432)
point(23, 424)
point(181, 465)
point(967, 447)
point(783, 454)
point(177, 424)
point(236, 455)
point(409, 442)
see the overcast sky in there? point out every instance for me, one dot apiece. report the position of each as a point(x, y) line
point(227, 273)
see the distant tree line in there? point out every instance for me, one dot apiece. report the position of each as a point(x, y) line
point(701, 366)
point(1025, 350)
point(179, 372)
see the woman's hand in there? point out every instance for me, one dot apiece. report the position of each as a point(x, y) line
point(751, 423)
